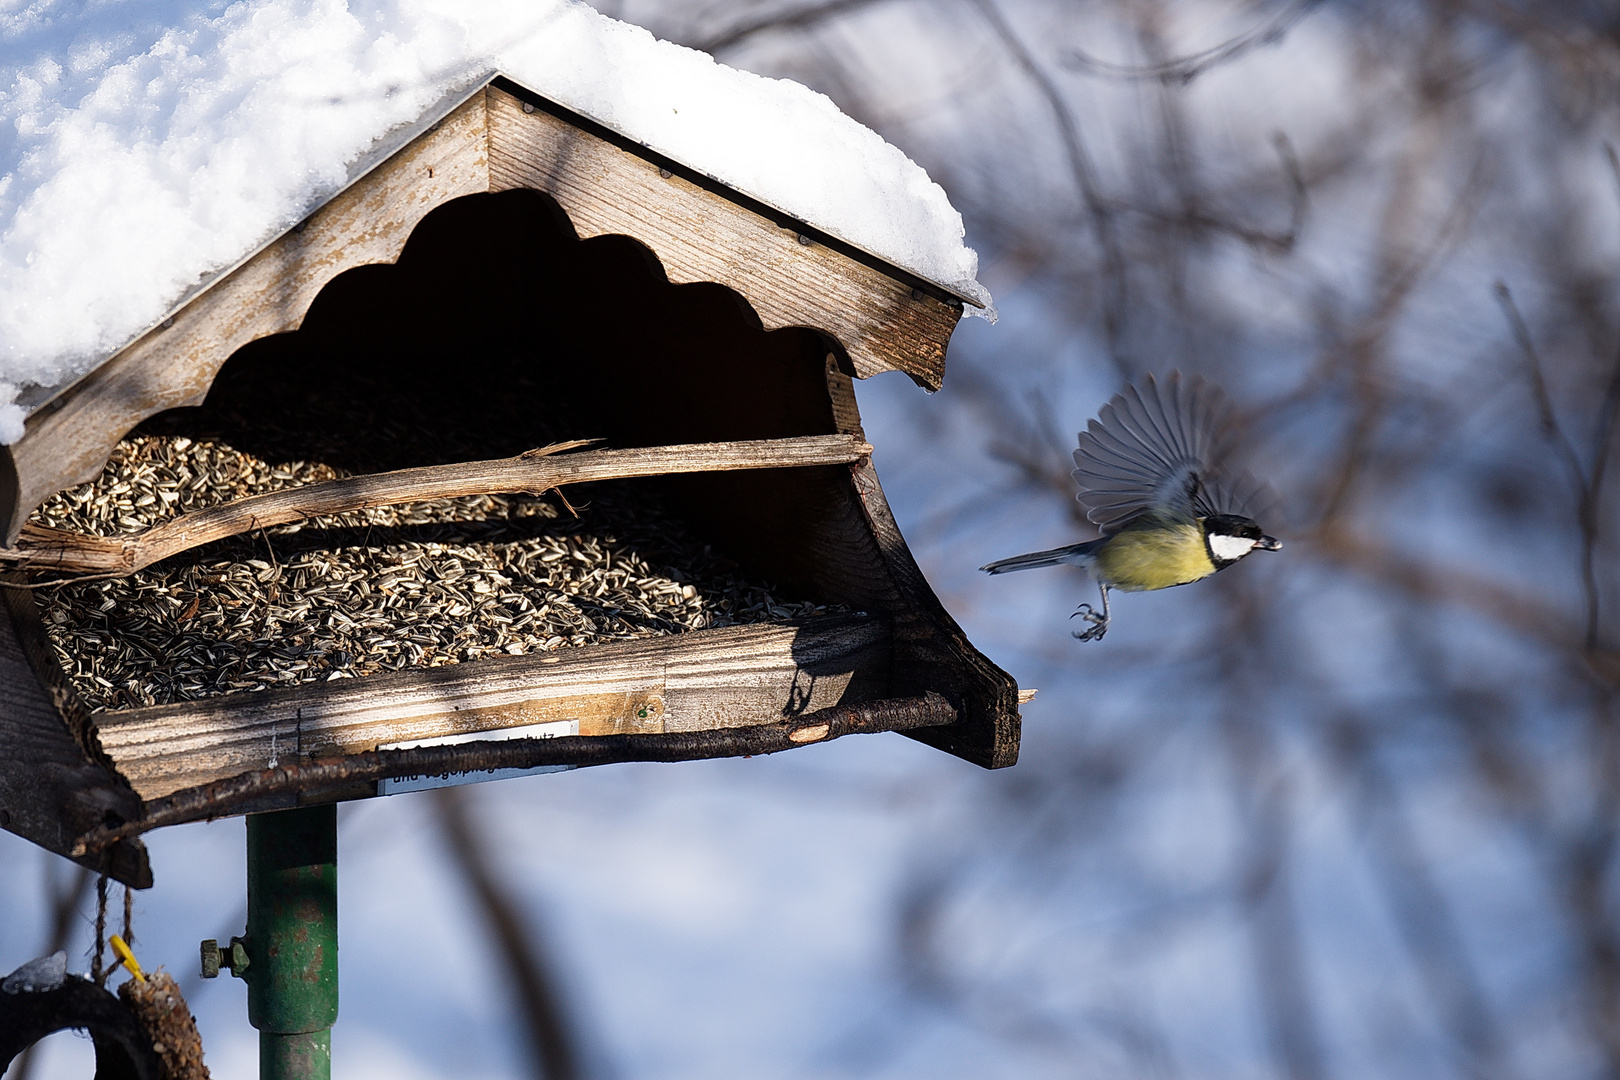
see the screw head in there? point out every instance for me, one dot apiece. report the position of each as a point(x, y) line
point(528, 108)
point(210, 958)
point(804, 239)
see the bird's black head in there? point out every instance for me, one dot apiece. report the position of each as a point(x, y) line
point(1229, 537)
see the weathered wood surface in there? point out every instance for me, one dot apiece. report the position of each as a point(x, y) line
point(268, 294)
point(52, 787)
point(305, 783)
point(856, 554)
point(729, 677)
point(45, 549)
point(699, 231)
point(930, 650)
point(700, 235)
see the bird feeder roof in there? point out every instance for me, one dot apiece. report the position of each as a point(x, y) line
point(138, 180)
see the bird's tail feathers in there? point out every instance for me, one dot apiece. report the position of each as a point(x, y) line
point(1075, 553)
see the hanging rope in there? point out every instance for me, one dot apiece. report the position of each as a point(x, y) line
point(98, 970)
point(129, 915)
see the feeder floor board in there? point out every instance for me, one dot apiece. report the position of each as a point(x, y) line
point(700, 681)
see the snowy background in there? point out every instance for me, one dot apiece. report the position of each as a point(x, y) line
point(1346, 812)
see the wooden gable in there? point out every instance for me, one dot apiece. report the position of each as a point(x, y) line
point(500, 138)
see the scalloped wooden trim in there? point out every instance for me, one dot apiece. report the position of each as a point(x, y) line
point(68, 441)
point(790, 275)
point(786, 275)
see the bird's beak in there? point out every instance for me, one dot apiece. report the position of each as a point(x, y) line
point(1269, 543)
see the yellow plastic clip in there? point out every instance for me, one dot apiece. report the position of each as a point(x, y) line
point(126, 957)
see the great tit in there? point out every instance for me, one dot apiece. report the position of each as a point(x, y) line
point(1149, 470)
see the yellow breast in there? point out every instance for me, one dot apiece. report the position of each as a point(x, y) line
point(1155, 557)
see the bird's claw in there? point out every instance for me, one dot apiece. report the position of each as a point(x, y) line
point(1098, 627)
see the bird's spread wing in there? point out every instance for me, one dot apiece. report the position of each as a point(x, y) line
point(1159, 446)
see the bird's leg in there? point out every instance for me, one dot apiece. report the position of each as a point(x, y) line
point(1099, 623)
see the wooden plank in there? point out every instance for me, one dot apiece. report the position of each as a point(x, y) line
point(930, 651)
point(701, 235)
point(852, 551)
point(68, 443)
point(42, 548)
point(52, 785)
point(729, 677)
point(308, 783)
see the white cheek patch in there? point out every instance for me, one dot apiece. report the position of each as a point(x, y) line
point(1230, 548)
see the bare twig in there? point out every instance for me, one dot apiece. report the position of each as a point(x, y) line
point(798, 19)
point(1545, 412)
point(1532, 617)
point(1422, 914)
point(1263, 887)
point(64, 903)
point(1185, 69)
point(1586, 484)
point(1085, 179)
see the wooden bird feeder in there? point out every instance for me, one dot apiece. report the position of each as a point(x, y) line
point(513, 275)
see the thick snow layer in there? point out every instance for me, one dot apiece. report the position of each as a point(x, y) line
point(145, 146)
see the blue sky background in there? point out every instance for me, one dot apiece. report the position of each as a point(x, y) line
point(1345, 811)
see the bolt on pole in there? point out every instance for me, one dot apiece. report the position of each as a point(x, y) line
point(291, 940)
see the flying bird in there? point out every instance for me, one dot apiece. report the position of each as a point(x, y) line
point(1150, 474)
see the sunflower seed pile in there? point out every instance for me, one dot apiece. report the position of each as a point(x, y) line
point(423, 584)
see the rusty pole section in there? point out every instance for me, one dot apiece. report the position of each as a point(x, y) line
point(292, 970)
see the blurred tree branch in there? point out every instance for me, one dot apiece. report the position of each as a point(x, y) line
point(1420, 662)
point(517, 941)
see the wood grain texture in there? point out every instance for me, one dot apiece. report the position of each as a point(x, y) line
point(843, 544)
point(268, 294)
point(308, 783)
point(57, 550)
point(730, 677)
point(52, 787)
point(700, 235)
point(931, 651)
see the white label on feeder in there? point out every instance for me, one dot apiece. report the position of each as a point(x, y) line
point(550, 730)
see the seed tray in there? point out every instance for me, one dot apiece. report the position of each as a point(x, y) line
point(383, 589)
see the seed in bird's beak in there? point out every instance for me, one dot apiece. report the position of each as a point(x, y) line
point(1269, 543)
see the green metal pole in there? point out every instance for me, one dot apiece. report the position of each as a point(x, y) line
point(292, 975)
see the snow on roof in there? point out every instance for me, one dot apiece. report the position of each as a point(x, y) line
point(147, 147)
